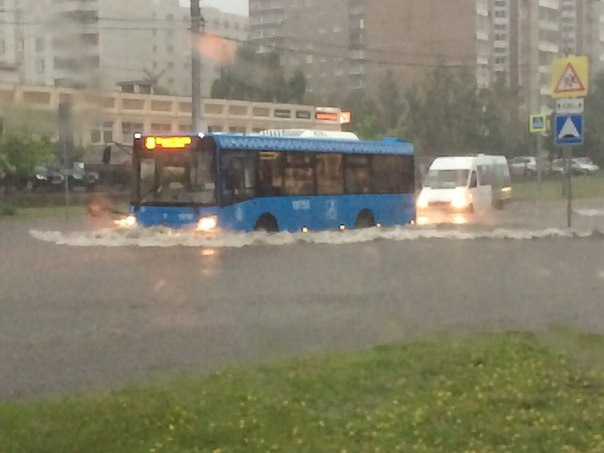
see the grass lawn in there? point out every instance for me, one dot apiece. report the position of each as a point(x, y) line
point(508, 392)
point(551, 189)
point(51, 211)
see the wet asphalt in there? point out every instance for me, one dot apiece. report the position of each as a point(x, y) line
point(75, 319)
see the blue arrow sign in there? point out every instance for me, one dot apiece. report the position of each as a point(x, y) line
point(568, 130)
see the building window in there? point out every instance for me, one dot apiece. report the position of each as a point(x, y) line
point(129, 129)
point(40, 66)
point(40, 45)
point(102, 133)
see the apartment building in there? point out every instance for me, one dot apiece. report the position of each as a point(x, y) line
point(313, 35)
point(349, 45)
point(104, 43)
point(582, 30)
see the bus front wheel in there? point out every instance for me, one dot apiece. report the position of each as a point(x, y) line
point(268, 223)
point(365, 219)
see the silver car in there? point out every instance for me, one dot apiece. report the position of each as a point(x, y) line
point(523, 166)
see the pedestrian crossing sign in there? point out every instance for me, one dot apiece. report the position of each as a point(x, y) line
point(538, 124)
point(569, 130)
point(570, 77)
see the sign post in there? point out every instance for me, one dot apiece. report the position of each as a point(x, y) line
point(569, 84)
point(538, 126)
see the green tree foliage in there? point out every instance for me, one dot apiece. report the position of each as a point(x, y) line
point(20, 152)
point(25, 142)
point(594, 121)
point(391, 104)
point(445, 115)
point(258, 77)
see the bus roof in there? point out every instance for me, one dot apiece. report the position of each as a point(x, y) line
point(313, 145)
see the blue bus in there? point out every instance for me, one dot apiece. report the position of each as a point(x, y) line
point(255, 182)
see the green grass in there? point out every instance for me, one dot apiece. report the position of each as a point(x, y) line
point(511, 392)
point(551, 189)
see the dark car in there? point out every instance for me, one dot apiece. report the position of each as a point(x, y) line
point(52, 178)
point(47, 178)
point(80, 177)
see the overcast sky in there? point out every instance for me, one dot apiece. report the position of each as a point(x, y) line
point(230, 6)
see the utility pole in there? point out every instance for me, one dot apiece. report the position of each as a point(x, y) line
point(197, 27)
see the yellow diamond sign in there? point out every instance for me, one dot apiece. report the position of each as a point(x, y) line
point(570, 77)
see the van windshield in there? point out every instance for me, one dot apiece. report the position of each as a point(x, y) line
point(446, 179)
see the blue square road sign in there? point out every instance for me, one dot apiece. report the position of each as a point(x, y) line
point(568, 130)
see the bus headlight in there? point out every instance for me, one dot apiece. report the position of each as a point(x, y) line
point(208, 223)
point(126, 222)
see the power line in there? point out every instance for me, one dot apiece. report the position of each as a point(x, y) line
point(346, 49)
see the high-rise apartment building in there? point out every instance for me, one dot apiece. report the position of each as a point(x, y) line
point(348, 45)
point(582, 30)
point(106, 43)
point(314, 35)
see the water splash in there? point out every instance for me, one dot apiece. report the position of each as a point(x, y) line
point(165, 237)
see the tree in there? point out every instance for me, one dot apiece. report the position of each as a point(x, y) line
point(258, 77)
point(450, 114)
point(391, 102)
point(21, 153)
point(594, 120)
point(366, 119)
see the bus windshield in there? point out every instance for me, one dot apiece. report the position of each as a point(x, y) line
point(446, 179)
point(186, 178)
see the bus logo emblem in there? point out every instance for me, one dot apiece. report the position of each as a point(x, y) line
point(239, 213)
point(331, 210)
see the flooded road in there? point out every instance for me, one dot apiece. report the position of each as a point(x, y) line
point(85, 308)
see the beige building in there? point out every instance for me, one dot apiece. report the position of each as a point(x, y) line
point(113, 117)
point(103, 43)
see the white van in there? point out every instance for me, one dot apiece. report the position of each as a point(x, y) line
point(466, 184)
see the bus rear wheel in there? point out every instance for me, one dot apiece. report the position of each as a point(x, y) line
point(268, 223)
point(365, 219)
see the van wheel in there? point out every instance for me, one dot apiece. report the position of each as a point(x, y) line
point(365, 219)
point(268, 223)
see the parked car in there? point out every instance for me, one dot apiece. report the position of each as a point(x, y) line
point(558, 166)
point(584, 166)
point(578, 166)
point(79, 177)
point(523, 166)
point(48, 178)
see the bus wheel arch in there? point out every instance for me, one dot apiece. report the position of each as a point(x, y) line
point(365, 219)
point(267, 222)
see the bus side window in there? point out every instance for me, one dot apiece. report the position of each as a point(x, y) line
point(270, 174)
point(238, 176)
point(357, 174)
point(473, 180)
point(393, 174)
point(330, 179)
point(299, 174)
